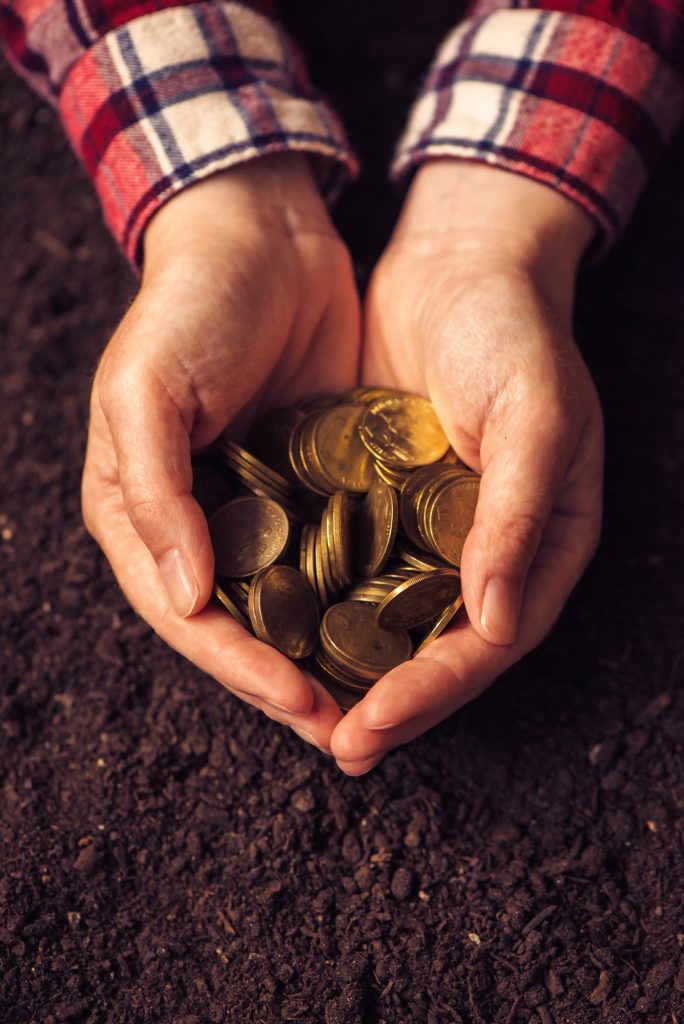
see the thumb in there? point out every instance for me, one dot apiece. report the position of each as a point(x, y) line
point(517, 489)
point(151, 437)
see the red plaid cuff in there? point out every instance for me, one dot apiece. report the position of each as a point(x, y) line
point(572, 102)
point(169, 98)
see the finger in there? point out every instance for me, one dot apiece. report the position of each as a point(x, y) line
point(211, 639)
point(152, 448)
point(458, 666)
point(519, 483)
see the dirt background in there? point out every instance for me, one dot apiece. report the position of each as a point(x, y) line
point(166, 854)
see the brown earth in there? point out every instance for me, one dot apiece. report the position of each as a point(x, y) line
point(167, 854)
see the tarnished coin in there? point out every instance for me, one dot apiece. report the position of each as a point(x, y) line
point(248, 534)
point(351, 637)
point(419, 599)
point(336, 444)
point(441, 624)
point(403, 432)
point(230, 605)
point(450, 516)
point(283, 611)
point(375, 529)
point(423, 561)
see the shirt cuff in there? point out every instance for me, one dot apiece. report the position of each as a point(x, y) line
point(569, 101)
point(167, 99)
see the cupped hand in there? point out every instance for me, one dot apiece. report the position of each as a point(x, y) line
point(471, 305)
point(247, 301)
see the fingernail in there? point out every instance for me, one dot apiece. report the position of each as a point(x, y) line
point(180, 582)
point(499, 615)
point(359, 767)
point(303, 734)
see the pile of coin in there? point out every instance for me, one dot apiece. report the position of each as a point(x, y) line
point(338, 530)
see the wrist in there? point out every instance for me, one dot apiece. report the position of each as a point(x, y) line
point(495, 220)
point(272, 197)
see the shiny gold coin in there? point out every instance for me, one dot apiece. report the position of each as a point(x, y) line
point(238, 456)
point(441, 624)
point(408, 498)
point(419, 599)
point(336, 445)
point(309, 532)
point(248, 534)
point(299, 468)
point(394, 477)
point(450, 516)
point(420, 560)
point(425, 496)
point(230, 606)
point(340, 519)
point(331, 584)
point(351, 637)
point(367, 396)
point(268, 439)
point(403, 432)
point(323, 596)
point(283, 611)
point(251, 484)
point(375, 529)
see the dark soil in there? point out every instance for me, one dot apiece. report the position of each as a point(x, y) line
point(167, 854)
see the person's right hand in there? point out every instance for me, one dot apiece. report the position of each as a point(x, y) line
point(247, 301)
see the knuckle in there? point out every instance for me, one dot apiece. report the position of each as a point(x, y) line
point(519, 537)
point(143, 511)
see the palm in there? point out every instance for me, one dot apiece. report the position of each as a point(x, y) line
point(490, 359)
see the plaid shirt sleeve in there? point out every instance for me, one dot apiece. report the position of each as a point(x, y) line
point(582, 96)
point(158, 94)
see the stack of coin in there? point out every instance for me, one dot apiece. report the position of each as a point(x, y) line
point(344, 542)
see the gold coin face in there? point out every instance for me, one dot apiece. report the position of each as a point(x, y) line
point(351, 636)
point(376, 524)
point(419, 599)
point(248, 534)
point(403, 432)
point(336, 443)
point(441, 624)
point(283, 611)
point(450, 517)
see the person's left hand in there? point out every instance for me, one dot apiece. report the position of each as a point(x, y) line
point(471, 305)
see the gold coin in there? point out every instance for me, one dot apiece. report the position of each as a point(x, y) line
point(403, 432)
point(339, 674)
point(336, 445)
point(367, 396)
point(408, 497)
point(420, 560)
point(351, 637)
point(239, 457)
point(230, 606)
point(331, 583)
point(419, 599)
point(299, 468)
point(269, 440)
point(394, 477)
point(321, 589)
point(309, 532)
point(248, 534)
point(283, 611)
point(339, 514)
point(376, 523)
point(450, 516)
point(441, 624)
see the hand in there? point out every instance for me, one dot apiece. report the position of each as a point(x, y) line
point(471, 304)
point(247, 301)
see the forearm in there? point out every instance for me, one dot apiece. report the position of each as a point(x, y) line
point(572, 101)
